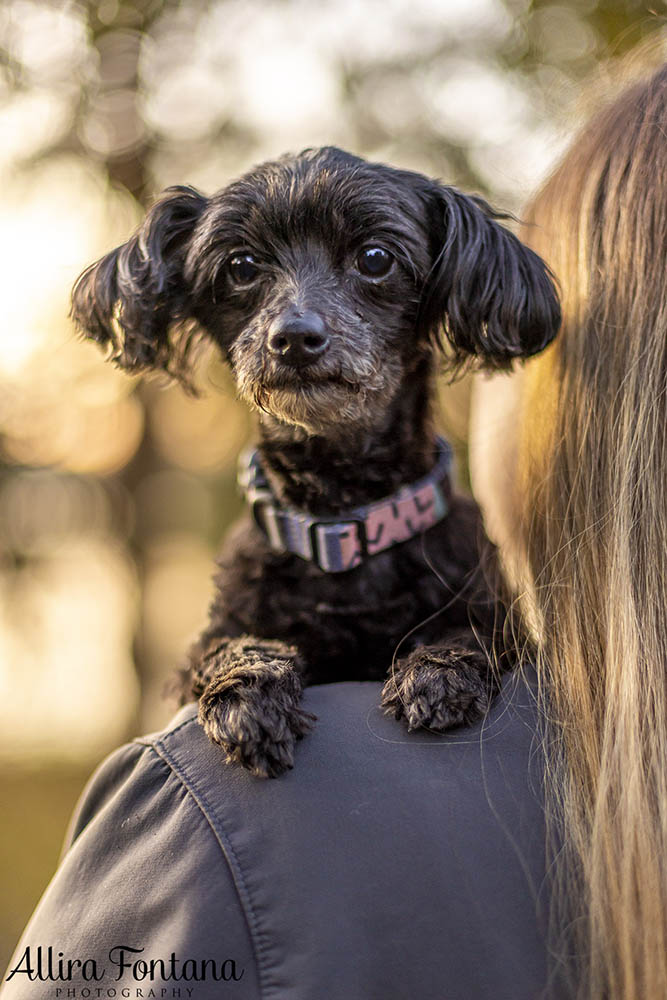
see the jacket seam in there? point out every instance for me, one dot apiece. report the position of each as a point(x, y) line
point(152, 741)
point(228, 853)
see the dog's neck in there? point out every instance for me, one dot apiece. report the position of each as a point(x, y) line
point(327, 477)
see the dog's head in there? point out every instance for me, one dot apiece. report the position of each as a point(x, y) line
point(325, 280)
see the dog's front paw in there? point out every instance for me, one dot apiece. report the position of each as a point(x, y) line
point(437, 688)
point(252, 711)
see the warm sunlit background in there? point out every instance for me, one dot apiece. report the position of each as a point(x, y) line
point(114, 493)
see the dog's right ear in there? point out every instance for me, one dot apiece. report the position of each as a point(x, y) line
point(133, 296)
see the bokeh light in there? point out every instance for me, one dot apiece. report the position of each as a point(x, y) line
point(67, 620)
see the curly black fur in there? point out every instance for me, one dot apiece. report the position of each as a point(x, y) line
point(345, 422)
point(249, 693)
point(437, 687)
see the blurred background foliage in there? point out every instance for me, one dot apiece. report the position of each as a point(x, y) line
point(114, 492)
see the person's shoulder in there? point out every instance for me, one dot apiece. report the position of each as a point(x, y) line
point(354, 749)
point(439, 834)
point(353, 744)
point(351, 725)
point(443, 831)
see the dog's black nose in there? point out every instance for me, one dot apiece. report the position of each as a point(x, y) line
point(298, 340)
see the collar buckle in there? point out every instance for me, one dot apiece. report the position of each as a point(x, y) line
point(333, 550)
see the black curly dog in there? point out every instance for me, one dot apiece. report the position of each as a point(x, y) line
point(329, 284)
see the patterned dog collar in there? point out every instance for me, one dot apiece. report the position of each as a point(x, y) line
point(341, 543)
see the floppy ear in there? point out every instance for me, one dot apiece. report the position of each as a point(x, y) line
point(490, 295)
point(130, 298)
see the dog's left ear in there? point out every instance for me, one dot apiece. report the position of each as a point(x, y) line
point(489, 294)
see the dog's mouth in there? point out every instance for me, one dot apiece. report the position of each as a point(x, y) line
point(318, 402)
point(301, 381)
point(335, 396)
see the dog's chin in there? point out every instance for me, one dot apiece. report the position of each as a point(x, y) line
point(326, 408)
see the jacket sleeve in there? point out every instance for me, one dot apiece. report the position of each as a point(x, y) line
point(143, 899)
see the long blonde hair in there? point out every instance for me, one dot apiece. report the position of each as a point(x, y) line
point(592, 548)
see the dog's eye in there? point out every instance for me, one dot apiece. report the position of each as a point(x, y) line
point(375, 262)
point(243, 268)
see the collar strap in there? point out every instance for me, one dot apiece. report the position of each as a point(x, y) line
point(342, 543)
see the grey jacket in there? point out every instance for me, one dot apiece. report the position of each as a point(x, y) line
point(385, 865)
